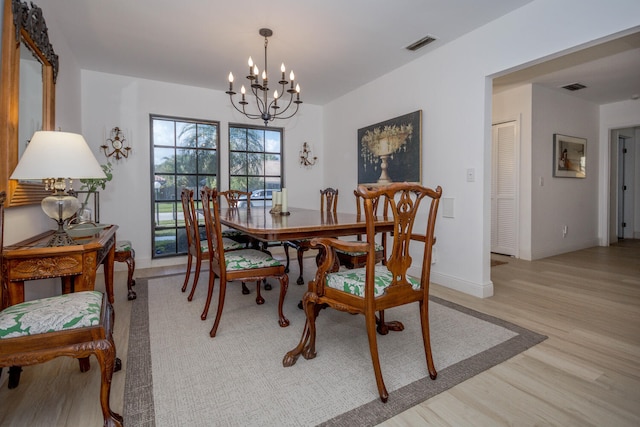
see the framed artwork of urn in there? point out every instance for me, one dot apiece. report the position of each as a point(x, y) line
point(390, 151)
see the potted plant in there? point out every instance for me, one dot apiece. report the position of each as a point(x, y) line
point(91, 185)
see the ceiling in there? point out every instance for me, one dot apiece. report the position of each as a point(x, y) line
point(610, 71)
point(333, 46)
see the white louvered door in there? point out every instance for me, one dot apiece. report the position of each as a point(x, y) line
point(503, 189)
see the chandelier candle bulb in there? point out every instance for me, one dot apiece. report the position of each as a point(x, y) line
point(230, 82)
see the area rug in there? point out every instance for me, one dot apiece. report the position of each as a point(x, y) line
point(176, 375)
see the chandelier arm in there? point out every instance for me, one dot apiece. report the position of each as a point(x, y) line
point(280, 108)
point(259, 102)
point(289, 116)
point(249, 115)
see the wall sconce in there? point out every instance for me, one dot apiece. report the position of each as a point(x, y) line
point(116, 145)
point(305, 156)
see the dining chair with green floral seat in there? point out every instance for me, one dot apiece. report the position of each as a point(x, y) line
point(236, 199)
point(197, 248)
point(358, 259)
point(239, 265)
point(376, 287)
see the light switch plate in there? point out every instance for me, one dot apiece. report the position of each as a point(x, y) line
point(447, 207)
point(471, 175)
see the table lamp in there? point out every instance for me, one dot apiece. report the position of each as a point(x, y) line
point(54, 157)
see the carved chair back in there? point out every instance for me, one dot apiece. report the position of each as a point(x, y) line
point(234, 197)
point(211, 211)
point(329, 199)
point(191, 222)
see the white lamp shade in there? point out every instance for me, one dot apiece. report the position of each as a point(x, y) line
point(53, 154)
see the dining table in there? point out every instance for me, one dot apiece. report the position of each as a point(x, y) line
point(299, 223)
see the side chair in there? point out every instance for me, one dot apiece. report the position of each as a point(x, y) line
point(329, 204)
point(234, 200)
point(374, 287)
point(239, 265)
point(198, 248)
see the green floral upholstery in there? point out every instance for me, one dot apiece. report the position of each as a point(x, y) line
point(378, 247)
point(247, 259)
point(231, 233)
point(229, 245)
point(352, 281)
point(59, 313)
point(123, 246)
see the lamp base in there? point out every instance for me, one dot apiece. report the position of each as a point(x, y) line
point(61, 237)
point(60, 207)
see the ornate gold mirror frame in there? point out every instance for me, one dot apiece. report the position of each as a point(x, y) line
point(23, 26)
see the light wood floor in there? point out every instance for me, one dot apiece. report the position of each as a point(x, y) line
point(586, 374)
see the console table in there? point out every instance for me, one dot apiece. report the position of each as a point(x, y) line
point(31, 259)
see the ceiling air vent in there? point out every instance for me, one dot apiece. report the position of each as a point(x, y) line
point(574, 86)
point(420, 43)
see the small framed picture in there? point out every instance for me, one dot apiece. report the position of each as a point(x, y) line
point(569, 156)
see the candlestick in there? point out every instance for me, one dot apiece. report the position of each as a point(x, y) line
point(285, 202)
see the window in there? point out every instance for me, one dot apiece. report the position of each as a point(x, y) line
point(184, 154)
point(255, 162)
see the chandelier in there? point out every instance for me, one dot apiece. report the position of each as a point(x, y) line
point(268, 109)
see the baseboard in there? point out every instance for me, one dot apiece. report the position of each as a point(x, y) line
point(455, 283)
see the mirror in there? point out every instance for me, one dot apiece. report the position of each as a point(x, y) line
point(30, 107)
point(27, 95)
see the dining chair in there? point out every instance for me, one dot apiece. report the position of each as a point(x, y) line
point(197, 247)
point(329, 204)
point(375, 287)
point(238, 265)
point(236, 199)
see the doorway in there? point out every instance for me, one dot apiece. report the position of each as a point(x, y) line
point(624, 191)
point(504, 173)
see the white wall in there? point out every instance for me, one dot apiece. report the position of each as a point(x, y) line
point(560, 202)
point(111, 100)
point(452, 87)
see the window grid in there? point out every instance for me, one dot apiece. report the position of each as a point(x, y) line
point(184, 154)
point(255, 161)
